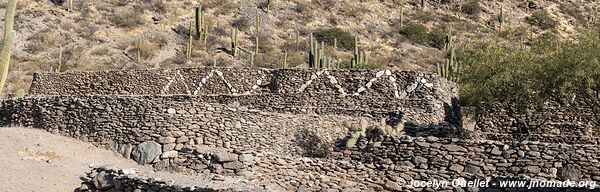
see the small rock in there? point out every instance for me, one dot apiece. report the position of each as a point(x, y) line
point(235, 165)
point(456, 167)
point(166, 140)
point(169, 155)
point(224, 156)
point(346, 183)
point(246, 158)
point(453, 148)
point(496, 151)
point(171, 111)
point(158, 18)
point(392, 186)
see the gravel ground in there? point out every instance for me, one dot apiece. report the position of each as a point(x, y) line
point(35, 160)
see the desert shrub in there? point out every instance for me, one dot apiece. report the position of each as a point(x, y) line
point(573, 10)
point(241, 23)
point(325, 4)
point(437, 38)
point(159, 6)
point(471, 8)
point(423, 16)
point(355, 11)
point(127, 18)
point(345, 40)
point(146, 48)
point(374, 65)
point(100, 51)
point(416, 33)
point(305, 10)
point(542, 19)
point(44, 40)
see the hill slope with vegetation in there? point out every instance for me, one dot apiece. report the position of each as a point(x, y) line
point(89, 35)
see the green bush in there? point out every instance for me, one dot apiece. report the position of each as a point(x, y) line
point(416, 33)
point(522, 80)
point(471, 8)
point(542, 19)
point(345, 40)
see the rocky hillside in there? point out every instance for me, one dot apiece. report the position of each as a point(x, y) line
point(109, 34)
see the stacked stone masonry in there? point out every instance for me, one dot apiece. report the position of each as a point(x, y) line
point(283, 129)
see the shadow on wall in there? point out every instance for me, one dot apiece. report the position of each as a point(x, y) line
point(312, 144)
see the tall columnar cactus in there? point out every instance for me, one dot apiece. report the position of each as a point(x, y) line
point(334, 47)
point(234, 41)
point(206, 31)
point(268, 4)
point(501, 18)
point(297, 40)
point(450, 69)
point(401, 17)
point(285, 59)
point(312, 53)
point(257, 32)
point(317, 57)
point(190, 39)
point(360, 57)
point(70, 5)
point(199, 22)
point(60, 51)
point(9, 38)
point(251, 60)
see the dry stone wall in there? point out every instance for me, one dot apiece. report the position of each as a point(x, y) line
point(224, 81)
point(423, 98)
point(391, 163)
point(173, 124)
point(558, 124)
point(286, 126)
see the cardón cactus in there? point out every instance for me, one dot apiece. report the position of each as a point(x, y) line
point(9, 38)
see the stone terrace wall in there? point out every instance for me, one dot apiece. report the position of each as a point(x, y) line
point(174, 124)
point(452, 158)
point(205, 81)
point(391, 162)
point(419, 98)
point(388, 163)
point(492, 120)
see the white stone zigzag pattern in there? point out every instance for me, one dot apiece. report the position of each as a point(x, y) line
point(173, 79)
point(379, 76)
point(203, 82)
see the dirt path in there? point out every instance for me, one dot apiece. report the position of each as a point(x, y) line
point(35, 160)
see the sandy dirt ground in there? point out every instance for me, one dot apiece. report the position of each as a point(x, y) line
point(35, 160)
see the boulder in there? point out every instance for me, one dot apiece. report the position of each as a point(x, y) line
point(146, 152)
point(103, 181)
point(569, 173)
